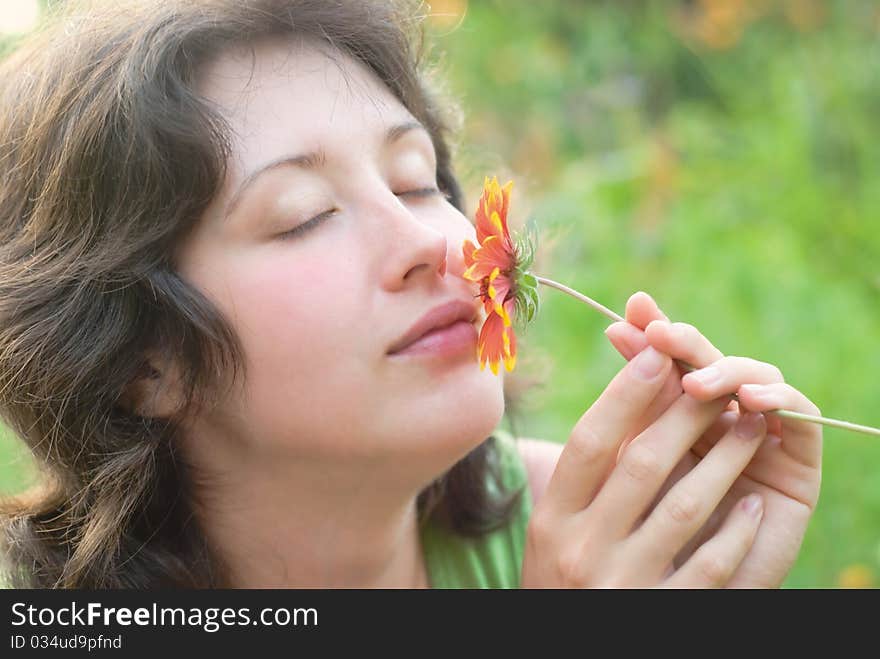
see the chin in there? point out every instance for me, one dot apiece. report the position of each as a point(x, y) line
point(470, 415)
point(438, 424)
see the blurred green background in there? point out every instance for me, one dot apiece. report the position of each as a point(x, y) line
point(720, 155)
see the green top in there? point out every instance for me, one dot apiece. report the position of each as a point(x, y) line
point(493, 560)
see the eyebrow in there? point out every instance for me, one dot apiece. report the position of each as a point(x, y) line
point(310, 161)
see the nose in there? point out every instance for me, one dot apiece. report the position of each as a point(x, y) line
point(415, 248)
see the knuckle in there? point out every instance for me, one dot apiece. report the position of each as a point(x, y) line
point(570, 566)
point(799, 401)
point(809, 407)
point(748, 365)
point(588, 445)
point(542, 528)
point(734, 361)
point(775, 371)
point(684, 328)
point(640, 462)
point(682, 508)
point(687, 332)
point(561, 560)
point(714, 569)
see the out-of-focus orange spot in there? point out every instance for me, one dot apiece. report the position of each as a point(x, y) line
point(447, 13)
point(719, 24)
point(805, 15)
point(722, 22)
point(857, 575)
point(720, 35)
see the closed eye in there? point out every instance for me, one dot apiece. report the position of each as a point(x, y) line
point(419, 192)
point(300, 229)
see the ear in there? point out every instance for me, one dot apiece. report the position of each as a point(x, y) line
point(155, 392)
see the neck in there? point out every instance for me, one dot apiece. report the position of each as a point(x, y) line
point(299, 524)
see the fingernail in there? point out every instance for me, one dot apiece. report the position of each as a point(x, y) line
point(649, 363)
point(753, 505)
point(706, 376)
point(750, 425)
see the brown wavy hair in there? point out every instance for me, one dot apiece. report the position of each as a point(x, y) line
point(108, 158)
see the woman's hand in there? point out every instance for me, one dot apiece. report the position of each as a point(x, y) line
point(785, 471)
point(597, 524)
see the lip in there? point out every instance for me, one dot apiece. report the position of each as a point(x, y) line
point(444, 323)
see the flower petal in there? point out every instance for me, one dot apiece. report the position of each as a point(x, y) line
point(497, 342)
point(505, 193)
point(491, 343)
point(495, 252)
point(493, 201)
point(509, 338)
point(497, 290)
point(478, 271)
point(510, 359)
point(468, 249)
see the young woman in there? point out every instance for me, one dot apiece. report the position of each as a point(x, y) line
point(228, 231)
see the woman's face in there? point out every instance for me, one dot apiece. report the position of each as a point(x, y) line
point(326, 245)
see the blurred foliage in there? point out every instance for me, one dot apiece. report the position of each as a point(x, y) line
point(719, 154)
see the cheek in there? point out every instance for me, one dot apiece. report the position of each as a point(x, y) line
point(293, 316)
point(295, 323)
point(300, 312)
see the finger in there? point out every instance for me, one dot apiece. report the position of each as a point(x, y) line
point(716, 561)
point(627, 336)
point(771, 463)
point(628, 339)
point(682, 341)
point(688, 505)
point(686, 343)
point(689, 460)
point(593, 444)
point(669, 393)
point(802, 440)
point(720, 427)
point(641, 309)
point(648, 460)
point(727, 375)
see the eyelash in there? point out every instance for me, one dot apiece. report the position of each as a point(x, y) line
point(299, 229)
point(306, 226)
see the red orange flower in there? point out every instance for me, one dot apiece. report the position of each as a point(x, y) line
point(499, 265)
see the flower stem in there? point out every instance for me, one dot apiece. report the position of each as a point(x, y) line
point(868, 430)
point(583, 298)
